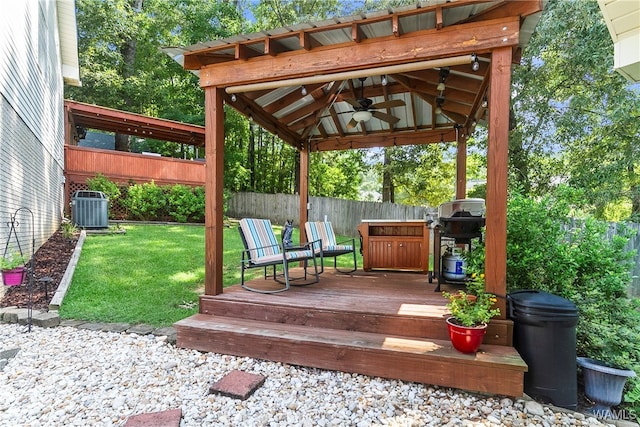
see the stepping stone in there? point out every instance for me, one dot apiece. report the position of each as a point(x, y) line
point(170, 418)
point(237, 384)
point(46, 319)
point(140, 329)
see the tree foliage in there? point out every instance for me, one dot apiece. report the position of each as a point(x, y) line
point(577, 119)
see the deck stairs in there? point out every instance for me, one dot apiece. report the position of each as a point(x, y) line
point(355, 323)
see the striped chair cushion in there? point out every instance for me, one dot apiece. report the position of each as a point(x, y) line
point(321, 230)
point(338, 248)
point(261, 240)
point(300, 254)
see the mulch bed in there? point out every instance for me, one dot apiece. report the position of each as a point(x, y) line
point(51, 260)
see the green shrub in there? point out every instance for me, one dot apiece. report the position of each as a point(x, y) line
point(103, 184)
point(186, 204)
point(146, 202)
point(582, 265)
point(68, 228)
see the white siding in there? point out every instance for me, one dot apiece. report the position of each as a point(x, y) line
point(31, 122)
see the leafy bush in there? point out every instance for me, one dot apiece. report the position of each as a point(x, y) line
point(146, 201)
point(68, 228)
point(103, 184)
point(186, 204)
point(582, 265)
point(150, 202)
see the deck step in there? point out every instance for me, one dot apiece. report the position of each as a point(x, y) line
point(409, 320)
point(494, 369)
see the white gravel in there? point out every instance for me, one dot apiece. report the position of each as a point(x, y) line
point(72, 377)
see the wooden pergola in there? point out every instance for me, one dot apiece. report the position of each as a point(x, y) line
point(435, 70)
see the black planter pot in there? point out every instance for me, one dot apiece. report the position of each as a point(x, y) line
point(604, 385)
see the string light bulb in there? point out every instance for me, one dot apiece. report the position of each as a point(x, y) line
point(485, 103)
point(384, 80)
point(233, 97)
point(475, 65)
point(304, 91)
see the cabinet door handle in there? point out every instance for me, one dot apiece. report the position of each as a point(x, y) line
point(401, 244)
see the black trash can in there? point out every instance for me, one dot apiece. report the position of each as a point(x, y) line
point(544, 333)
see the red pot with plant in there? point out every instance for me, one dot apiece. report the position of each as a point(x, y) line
point(469, 317)
point(465, 339)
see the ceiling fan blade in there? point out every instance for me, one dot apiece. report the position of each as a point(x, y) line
point(353, 102)
point(385, 117)
point(352, 123)
point(389, 104)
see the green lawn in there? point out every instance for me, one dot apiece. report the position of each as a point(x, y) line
point(153, 274)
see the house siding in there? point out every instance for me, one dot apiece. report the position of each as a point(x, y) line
point(31, 123)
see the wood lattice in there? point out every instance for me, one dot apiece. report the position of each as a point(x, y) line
point(116, 210)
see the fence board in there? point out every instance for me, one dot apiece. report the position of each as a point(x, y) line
point(345, 215)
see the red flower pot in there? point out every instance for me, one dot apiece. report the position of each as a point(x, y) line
point(465, 339)
point(13, 277)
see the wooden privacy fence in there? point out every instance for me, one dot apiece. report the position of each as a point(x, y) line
point(81, 163)
point(345, 215)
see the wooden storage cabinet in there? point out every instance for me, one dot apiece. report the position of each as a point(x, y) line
point(395, 245)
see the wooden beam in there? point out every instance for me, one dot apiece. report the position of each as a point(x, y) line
point(356, 33)
point(253, 111)
point(461, 167)
point(385, 139)
point(351, 74)
point(411, 47)
point(497, 158)
point(304, 189)
point(307, 42)
point(214, 186)
point(272, 46)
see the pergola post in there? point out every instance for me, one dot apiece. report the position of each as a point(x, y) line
point(304, 188)
point(497, 157)
point(214, 186)
point(461, 167)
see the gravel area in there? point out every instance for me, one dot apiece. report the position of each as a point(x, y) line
point(67, 376)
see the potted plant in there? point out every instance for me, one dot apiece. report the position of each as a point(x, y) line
point(469, 316)
point(603, 384)
point(12, 266)
point(606, 368)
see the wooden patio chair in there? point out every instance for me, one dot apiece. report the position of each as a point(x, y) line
point(323, 239)
point(261, 249)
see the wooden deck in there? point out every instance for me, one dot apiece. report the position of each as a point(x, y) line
point(387, 324)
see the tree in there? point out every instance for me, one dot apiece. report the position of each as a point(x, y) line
point(122, 65)
point(577, 119)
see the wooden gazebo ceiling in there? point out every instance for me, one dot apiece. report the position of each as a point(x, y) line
point(303, 82)
point(95, 117)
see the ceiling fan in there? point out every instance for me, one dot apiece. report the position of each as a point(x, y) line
point(365, 108)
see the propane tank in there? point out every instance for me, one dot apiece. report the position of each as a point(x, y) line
point(453, 265)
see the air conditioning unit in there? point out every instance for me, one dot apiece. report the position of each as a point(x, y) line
point(89, 209)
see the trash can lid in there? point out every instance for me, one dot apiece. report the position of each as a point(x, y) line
point(533, 302)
